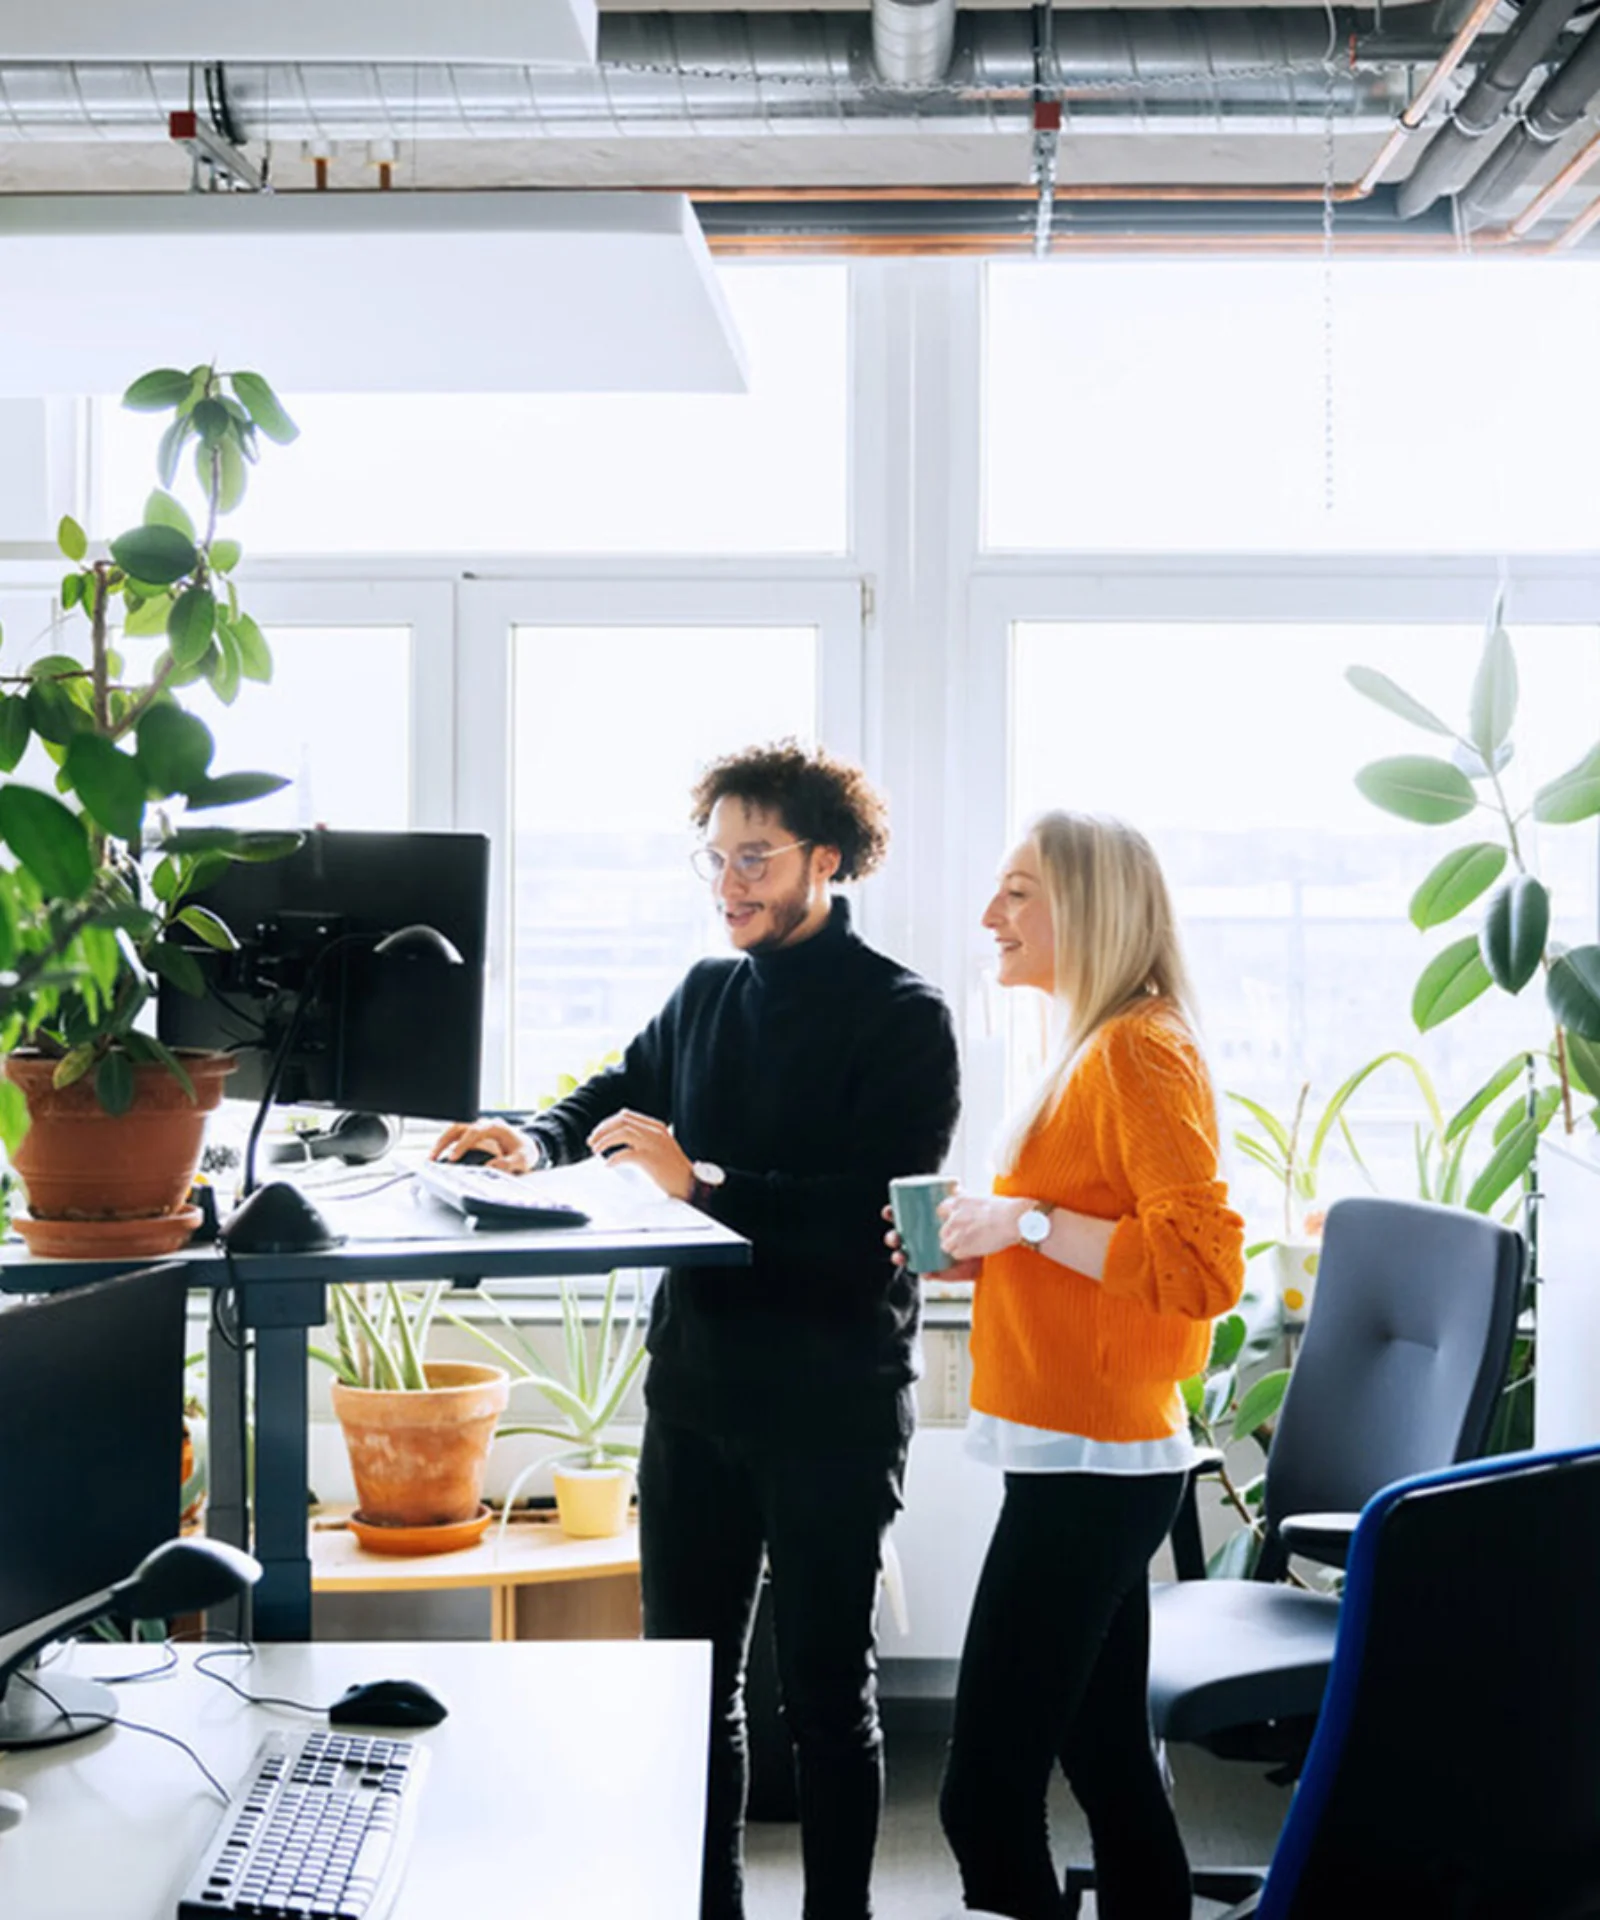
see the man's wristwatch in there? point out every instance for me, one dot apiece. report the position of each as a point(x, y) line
point(708, 1176)
point(1033, 1229)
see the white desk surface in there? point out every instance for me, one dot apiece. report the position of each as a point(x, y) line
point(569, 1780)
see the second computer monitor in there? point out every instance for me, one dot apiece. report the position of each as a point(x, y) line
point(394, 1032)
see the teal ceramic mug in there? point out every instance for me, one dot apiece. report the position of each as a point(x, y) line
point(914, 1200)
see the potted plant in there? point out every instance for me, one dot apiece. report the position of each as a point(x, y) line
point(99, 876)
point(418, 1431)
point(593, 1472)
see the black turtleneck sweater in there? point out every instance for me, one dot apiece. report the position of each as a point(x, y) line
point(812, 1075)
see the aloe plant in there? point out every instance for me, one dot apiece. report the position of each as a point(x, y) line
point(381, 1335)
point(1512, 945)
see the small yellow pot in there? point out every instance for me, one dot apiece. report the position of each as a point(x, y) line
point(592, 1502)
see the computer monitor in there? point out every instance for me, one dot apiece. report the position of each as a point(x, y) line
point(396, 1032)
point(91, 1443)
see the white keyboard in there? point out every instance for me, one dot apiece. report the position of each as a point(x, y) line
point(495, 1199)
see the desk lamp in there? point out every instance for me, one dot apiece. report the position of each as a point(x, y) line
point(179, 1576)
point(278, 1218)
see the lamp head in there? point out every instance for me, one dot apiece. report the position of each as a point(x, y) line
point(419, 938)
point(184, 1576)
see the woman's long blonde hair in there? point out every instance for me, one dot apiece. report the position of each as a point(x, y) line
point(1116, 943)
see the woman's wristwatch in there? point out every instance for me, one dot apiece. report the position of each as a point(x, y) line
point(1033, 1228)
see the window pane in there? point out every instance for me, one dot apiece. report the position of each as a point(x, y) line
point(762, 472)
point(336, 719)
point(1179, 406)
point(1291, 888)
point(607, 914)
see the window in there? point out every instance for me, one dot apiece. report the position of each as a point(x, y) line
point(1235, 750)
point(762, 472)
point(1179, 406)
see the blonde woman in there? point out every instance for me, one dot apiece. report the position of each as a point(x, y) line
point(1101, 1257)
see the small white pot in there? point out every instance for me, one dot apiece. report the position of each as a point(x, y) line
point(1294, 1265)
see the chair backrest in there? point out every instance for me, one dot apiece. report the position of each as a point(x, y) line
point(1455, 1769)
point(1404, 1356)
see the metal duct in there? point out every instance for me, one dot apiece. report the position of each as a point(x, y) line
point(912, 40)
point(1556, 109)
point(1255, 70)
point(1457, 150)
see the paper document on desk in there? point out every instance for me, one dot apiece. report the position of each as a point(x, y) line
point(624, 1198)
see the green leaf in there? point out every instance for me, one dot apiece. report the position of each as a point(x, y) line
point(1193, 1391)
point(145, 1046)
point(255, 656)
point(1227, 1339)
point(72, 585)
point(225, 673)
point(49, 840)
point(1573, 795)
point(224, 555)
point(264, 408)
point(14, 730)
point(13, 1117)
point(170, 451)
point(1451, 980)
point(1494, 693)
point(1378, 686)
point(1418, 787)
point(113, 1082)
point(1458, 880)
point(1514, 932)
point(210, 419)
point(176, 964)
point(1268, 1122)
point(53, 714)
point(202, 921)
point(152, 392)
point(111, 785)
point(71, 538)
point(1583, 1064)
point(150, 616)
point(72, 1067)
point(1473, 764)
point(1573, 991)
point(162, 510)
point(175, 748)
point(191, 624)
point(1260, 1403)
point(232, 789)
point(159, 555)
point(259, 848)
point(1509, 1161)
point(1466, 1117)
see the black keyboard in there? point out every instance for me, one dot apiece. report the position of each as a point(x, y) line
point(318, 1829)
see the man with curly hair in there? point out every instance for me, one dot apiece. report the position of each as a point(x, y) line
point(780, 1090)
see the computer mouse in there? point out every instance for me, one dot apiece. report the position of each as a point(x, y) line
point(12, 1808)
point(387, 1703)
point(474, 1157)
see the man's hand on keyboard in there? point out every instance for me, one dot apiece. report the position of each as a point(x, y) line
point(507, 1149)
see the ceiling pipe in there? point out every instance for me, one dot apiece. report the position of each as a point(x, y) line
point(1457, 150)
point(1571, 235)
point(1555, 110)
point(912, 40)
point(1423, 99)
point(1548, 195)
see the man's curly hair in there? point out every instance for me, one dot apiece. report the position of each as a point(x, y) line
point(824, 801)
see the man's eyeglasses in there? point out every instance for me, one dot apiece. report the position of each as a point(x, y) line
point(750, 865)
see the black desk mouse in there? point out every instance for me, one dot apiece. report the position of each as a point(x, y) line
point(387, 1703)
point(473, 1157)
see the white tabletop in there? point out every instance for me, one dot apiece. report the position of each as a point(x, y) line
point(569, 1779)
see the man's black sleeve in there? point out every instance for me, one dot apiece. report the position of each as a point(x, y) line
point(901, 1121)
point(642, 1080)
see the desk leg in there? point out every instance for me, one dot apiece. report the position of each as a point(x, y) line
point(282, 1599)
point(227, 1512)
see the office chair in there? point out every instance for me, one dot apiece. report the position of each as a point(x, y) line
point(1455, 1769)
point(1398, 1373)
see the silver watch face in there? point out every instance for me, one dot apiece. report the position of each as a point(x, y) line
point(708, 1173)
point(1034, 1227)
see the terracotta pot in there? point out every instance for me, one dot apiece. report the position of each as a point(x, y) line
point(79, 1163)
point(592, 1502)
point(418, 1457)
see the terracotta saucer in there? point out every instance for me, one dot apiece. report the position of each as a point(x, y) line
point(448, 1537)
point(91, 1239)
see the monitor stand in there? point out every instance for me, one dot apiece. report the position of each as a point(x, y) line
point(47, 1710)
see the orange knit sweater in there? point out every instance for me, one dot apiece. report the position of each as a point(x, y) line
point(1134, 1140)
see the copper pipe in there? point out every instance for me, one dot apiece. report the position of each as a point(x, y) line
point(858, 246)
point(1545, 199)
point(1571, 235)
point(1426, 94)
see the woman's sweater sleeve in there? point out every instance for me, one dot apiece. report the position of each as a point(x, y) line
point(1181, 1250)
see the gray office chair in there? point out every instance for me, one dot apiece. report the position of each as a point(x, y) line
point(1398, 1373)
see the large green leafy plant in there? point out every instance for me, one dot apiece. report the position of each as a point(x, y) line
point(99, 875)
point(1512, 945)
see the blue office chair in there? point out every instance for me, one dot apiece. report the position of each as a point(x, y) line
point(1455, 1769)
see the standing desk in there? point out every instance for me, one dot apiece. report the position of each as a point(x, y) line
point(279, 1298)
point(567, 1782)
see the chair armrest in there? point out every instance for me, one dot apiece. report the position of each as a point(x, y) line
point(1188, 1556)
point(1324, 1537)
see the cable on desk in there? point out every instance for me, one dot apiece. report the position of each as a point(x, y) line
point(100, 1720)
point(244, 1650)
